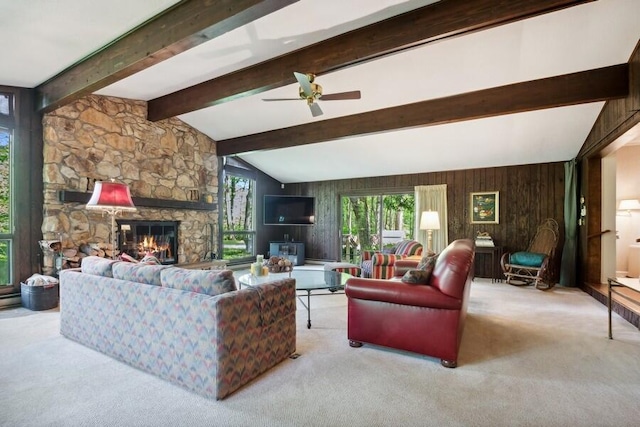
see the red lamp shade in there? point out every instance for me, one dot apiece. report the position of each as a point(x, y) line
point(111, 196)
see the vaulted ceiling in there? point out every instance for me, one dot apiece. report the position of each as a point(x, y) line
point(450, 84)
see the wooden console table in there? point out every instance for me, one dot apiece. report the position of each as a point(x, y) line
point(496, 254)
point(620, 282)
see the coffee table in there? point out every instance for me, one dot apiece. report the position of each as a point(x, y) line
point(307, 280)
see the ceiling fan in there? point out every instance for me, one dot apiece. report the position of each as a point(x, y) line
point(312, 92)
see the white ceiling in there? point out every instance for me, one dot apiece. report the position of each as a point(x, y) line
point(43, 37)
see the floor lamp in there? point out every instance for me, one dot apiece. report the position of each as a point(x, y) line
point(429, 220)
point(111, 198)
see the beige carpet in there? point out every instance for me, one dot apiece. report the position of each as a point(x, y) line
point(529, 358)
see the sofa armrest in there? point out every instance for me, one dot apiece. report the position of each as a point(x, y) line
point(397, 292)
point(261, 305)
point(367, 255)
point(255, 329)
point(384, 259)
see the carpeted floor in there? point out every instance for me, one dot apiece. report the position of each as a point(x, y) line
point(528, 358)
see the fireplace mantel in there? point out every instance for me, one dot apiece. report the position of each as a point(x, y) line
point(80, 197)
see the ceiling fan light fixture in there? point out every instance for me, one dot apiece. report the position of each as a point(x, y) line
point(312, 92)
point(316, 93)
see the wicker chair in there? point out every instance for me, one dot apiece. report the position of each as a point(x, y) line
point(534, 265)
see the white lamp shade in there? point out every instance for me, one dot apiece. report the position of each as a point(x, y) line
point(430, 220)
point(111, 196)
point(629, 205)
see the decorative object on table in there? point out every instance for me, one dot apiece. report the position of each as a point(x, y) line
point(429, 220)
point(485, 207)
point(278, 265)
point(257, 268)
point(111, 198)
point(484, 239)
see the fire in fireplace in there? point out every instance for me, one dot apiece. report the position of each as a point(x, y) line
point(138, 238)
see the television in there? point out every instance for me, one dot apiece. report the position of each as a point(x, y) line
point(289, 210)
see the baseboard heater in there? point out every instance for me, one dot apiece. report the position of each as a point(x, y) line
point(10, 300)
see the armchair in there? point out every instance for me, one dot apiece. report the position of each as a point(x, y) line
point(421, 318)
point(380, 265)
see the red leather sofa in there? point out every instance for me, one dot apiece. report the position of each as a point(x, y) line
point(427, 319)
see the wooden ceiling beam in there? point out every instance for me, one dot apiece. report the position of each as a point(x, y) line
point(185, 25)
point(446, 18)
point(570, 89)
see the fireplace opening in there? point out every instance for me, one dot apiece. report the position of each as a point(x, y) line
point(138, 238)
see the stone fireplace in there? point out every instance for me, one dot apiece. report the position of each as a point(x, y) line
point(171, 169)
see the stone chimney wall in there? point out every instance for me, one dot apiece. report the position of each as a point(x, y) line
point(101, 138)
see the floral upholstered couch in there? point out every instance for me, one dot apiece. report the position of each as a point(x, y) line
point(190, 327)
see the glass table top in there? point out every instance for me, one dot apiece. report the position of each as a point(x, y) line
point(306, 279)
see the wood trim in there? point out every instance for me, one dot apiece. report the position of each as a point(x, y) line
point(444, 19)
point(569, 89)
point(617, 117)
point(186, 25)
point(80, 197)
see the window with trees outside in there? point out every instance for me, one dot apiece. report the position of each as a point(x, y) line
point(373, 222)
point(6, 228)
point(238, 228)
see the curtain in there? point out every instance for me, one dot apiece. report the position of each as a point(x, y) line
point(568, 266)
point(432, 198)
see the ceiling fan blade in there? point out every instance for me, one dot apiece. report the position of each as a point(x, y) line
point(341, 96)
point(315, 110)
point(282, 99)
point(303, 79)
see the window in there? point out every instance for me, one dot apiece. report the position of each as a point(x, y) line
point(6, 224)
point(238, 222)
point(373, 222)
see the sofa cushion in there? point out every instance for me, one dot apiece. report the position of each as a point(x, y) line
point(210, 282)
point(527, 259)
point(141, 273)
point(98, 266)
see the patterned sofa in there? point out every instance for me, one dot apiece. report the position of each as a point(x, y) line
point(190, 327)
point(380, 265)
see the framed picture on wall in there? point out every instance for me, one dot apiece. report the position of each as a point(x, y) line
point(485, 207)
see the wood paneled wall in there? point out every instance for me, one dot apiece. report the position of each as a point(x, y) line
point(528, 195)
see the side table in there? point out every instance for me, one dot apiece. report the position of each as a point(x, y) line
point(615, 284)
point(496, 254)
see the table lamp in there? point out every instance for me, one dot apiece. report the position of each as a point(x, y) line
point(111, 198)
point(629, 205)
point(429, 220)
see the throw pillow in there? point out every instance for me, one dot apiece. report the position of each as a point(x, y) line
point(210, 282)
point(428, 262)
point(416, 277)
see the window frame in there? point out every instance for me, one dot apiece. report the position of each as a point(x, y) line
point(8, 124)
point(232, 166)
